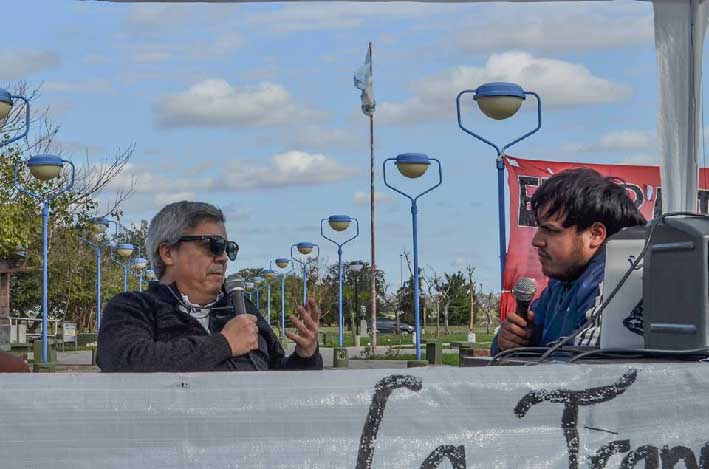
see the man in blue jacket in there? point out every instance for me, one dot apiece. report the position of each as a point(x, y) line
point(576, 211)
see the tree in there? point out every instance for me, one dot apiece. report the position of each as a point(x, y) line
point(70, 263)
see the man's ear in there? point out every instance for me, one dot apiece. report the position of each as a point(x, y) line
point(598, 235)
point(165, 252)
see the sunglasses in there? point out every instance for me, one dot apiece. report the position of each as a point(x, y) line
point(217, 245)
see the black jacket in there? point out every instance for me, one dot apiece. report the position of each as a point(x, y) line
point(147, 332)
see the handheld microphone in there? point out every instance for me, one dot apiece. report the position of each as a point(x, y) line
point(524, 291)
point(234, 287)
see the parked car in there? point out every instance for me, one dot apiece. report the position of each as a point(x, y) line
point(388, 326)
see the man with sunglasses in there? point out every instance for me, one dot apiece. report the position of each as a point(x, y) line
point(179, 323)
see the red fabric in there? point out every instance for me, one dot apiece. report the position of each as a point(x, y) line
point(524, 176)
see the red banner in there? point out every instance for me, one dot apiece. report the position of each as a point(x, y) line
point(524, 176)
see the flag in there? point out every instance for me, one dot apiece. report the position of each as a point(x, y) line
point(363, 81)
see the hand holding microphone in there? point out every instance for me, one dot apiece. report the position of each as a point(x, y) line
point(241, 331)
point(517, 329)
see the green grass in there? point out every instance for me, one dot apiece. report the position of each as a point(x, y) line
point(450, 359)
point(459, 334)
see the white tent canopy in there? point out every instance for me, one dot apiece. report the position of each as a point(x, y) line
point(680, 26)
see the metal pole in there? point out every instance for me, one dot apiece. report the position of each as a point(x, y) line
point(45, 220)
point(140, 281)
point(268, 284)
point(501, 217)
point(305, 283)
point(283, 305)
point(98, 288)
point(258, 298)
point(414, 217)
point(125, 278)
point(357, 313)
point(340, 321)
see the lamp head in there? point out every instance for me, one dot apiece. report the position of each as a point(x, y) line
point(5, 103)
point(139, 263)
point(282, 262)
point(45, 167)
point(499, 100)
point(356, 266)
point(339, 222)
point(150, 274)
point(98, 225)
point(124, 249)
point(305, 247)
point(258, 280)
point(269, 274)
point(412, 165)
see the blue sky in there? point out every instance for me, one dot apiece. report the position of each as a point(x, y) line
point(251, 107)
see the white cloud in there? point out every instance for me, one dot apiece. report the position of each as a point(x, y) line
point(164, 198)
point(293, 168)
point(326, 16)
point(215, 103)
point(559, 83)
point(548, 31)
point(18, 64)
point(362, 198)
point(620, 140)
point(88, 86)
point(148, 18)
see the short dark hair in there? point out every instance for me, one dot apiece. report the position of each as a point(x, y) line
point(587, 197)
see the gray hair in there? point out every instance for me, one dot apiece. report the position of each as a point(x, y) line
point(171, 223)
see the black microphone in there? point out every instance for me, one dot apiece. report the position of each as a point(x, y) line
point(234, 287)
point(524, 291)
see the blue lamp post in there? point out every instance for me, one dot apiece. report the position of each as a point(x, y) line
point(124, 251)
point(339, 223)
point(414, 165)
point(500, 101)
point(6, 103)
point(249, 287)
point(282, 263)
point(138, 266)
point(258, 281)
point(305, 248)
point(268, 274)
point(45, 168)
point(98, 227)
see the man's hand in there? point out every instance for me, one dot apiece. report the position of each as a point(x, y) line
point(242, 334)
point(306, 341)
point(515, 331)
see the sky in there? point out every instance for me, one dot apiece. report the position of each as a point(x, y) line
point(252, 107)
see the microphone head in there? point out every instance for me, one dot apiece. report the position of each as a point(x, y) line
point(524, 289)
point(234, 282)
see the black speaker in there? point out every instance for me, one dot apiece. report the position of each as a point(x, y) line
point(676, 284)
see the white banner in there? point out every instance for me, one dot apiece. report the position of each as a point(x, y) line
point(553, 416)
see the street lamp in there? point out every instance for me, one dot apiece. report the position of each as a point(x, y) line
point(249, 286)
point(500, 101)
point(150, 275)
point(268, 274)
point(305, 248)
point(138, 266)
point(98, 227)
point(356, 267)
point(124, 251)
point(6, 103)
point(282, 263)
point(414, 165)
point(339, 223)
point(257, 281)
point(44, 168)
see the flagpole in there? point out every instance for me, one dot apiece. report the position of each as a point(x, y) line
point(373, 272)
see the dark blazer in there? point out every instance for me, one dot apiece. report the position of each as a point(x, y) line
point(151, 331)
